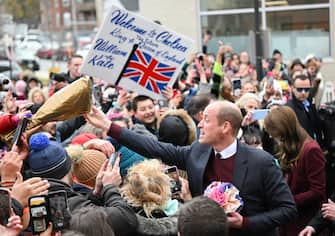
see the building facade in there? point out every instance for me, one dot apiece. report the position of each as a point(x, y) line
point(298, 28)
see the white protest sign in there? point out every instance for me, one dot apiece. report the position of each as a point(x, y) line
point(152, 66)
point(328, 93)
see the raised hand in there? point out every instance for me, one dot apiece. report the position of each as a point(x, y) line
point(102, 145)
point(98, 119)
point(22, 190)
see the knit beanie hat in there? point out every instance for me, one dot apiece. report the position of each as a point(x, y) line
point(47, 159)
point(86, 163)
point(128, 159)
point(83, 138)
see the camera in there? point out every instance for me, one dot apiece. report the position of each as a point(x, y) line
point(110, 94)
point(200, 56)
point(59, 77)
point(4, 79)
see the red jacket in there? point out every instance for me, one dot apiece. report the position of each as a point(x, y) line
point(8, 122)
point(307, 182)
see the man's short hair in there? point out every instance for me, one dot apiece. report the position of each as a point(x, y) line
point(139, 98)
point(197, 104)
point(231, 113)
point(301, 77)
point(202, 217)
point(74, 56)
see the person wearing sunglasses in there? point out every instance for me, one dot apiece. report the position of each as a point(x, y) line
point(305, 108)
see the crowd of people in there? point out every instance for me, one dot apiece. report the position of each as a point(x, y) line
point(112, 162)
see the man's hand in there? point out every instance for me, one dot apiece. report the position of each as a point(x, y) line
point(11, 163)
point(328, 210)
point(307, 231)
point(102, 145)
point(31, 187)
point(98, 119)
point(235, 220)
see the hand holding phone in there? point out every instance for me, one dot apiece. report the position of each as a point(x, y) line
point(58, 210)
point(5, 206)
point(172, 172)
point(20, 130)
point(39, 217)
point(113, 157)
point(237, 85)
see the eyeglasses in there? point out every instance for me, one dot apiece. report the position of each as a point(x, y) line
point(303, 89)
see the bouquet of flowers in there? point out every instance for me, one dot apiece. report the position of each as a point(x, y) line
point(226, 195)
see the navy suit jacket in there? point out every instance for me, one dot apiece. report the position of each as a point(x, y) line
point(268, 201)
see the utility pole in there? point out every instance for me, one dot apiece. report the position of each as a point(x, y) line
point(258, 42)
point(74, 24)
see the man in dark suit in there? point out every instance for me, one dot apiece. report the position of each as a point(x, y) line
point(304, 107)
point(218, 156)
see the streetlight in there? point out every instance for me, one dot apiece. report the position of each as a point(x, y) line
point(258, 42)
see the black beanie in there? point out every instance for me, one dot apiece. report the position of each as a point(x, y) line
point(173, 130)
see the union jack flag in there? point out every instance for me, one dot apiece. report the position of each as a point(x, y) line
point(148, 72)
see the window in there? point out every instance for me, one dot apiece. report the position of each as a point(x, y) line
point(67, 19)
point(230, 29)
point(273, 3)
point(57, 19)
point(213, 5)
point(295, 27)
point(295, 33)
point(66, 3)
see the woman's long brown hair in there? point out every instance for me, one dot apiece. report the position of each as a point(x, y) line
point(283, 124)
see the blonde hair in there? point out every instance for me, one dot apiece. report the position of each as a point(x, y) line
point(147, 186)
point(36, 90)
point(245, 98)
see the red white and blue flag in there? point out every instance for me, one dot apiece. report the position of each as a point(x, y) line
point(148, 72)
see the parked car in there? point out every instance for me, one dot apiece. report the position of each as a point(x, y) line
point(45, 53)
point(47, 50)
point(5, 68)
point(63, 53)
point(27, 59)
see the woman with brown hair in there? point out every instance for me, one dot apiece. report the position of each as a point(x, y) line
point(302, 163)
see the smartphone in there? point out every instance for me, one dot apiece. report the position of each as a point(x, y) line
point(260, 114)
point(237, 85)
point(227, 55)
point(39, 217)
point(5, 206)
point(19, 131)
point(58, 210)
point(172, 172)
point(113, 157)
point(163, 103)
